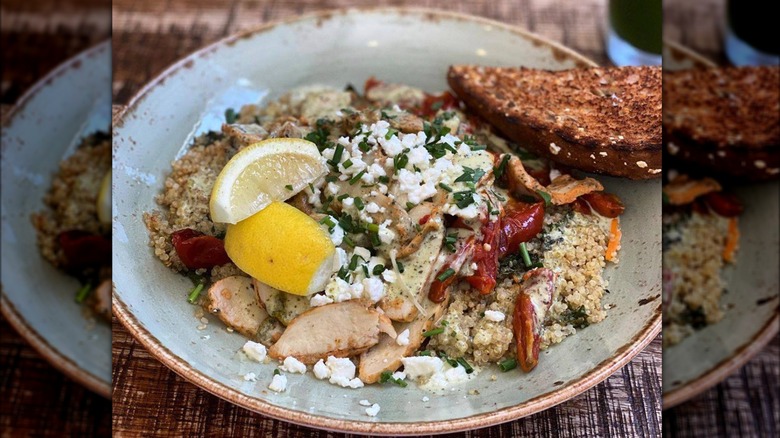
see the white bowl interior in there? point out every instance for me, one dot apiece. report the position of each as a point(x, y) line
point(73, 101)
point(346, 48)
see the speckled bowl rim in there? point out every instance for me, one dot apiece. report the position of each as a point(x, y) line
point(596, 375)
point(746, 351)
point(49, 352)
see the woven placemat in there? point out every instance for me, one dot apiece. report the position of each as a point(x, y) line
point(148, 397)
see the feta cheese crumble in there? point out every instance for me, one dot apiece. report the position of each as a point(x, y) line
point(293, 365)
point(278, 383)
point(494, 315)
point(373, 410)
point(403, 338)
point(255, 351)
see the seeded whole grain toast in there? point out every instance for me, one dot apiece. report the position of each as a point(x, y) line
point(724, 120)
point(605, 120)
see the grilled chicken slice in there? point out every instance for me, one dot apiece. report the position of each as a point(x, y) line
point(340, 329)
point(399, 301)
point(244, 135)
point(387, 354)
point(233, 300)
point(280, 305)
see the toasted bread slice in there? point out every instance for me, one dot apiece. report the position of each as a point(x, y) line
point(603, 120)
point(724, 120)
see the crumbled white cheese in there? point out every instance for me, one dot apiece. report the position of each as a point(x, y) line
point(425, 399)
point(389, 276)
point(332, 188)
point(321, 371)
point(364, 403)
point(399, 375)
point(342, 372)
point(373, 410)
point(293, 365)
point(250, 377)
point(278, 383)
point(337, 235)
point(372, 207)
point(403, 338)
point(386, 235)
point(422, 366)
point(348, 202)
point(494, 315)
point(320, 300)
point(373, 288)
point(255, 351)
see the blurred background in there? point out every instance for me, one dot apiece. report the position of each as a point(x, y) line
point(745, 401)
point(37, 399)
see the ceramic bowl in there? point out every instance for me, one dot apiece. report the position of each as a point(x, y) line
point(44, 127)
point(338, 48)
point(708, 356)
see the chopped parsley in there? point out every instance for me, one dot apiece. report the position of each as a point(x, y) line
point(288, 187)
point(470, 175)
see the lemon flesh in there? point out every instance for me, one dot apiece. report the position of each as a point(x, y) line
point(103, 204)
point(284, 248)
point(271, 170)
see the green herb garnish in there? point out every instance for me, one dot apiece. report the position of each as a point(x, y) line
point(499, 170)
point(449, 272)
point(230, 116)
point(356, 178)
point(445, 187)
point(526, 256)
point(546, 196)
point(387, 376)
point(192, 298)
point(507, 364)
point(433, 332)
point(83, 293)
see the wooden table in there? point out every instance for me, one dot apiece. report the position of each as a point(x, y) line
point(148, 36)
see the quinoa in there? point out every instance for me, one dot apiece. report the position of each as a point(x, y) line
point(573, 246)
point(693, 261)
point(71, 200)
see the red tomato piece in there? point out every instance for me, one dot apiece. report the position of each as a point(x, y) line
point(84, 250)
point(724, 204)
point(199, 251)
point(519, 223)
point(605, 204)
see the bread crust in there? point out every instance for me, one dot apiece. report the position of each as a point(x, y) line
point(601, 120)
point(724, 121)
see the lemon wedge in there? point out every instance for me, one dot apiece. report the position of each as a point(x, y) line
point(270, 170)
point(284, 248)
point(103, 204)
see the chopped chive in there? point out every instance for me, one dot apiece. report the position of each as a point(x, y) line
point(400, 267)
point(507, 364)
point(390, 133)
point(356, 178)
point(409, 205)
point(374, 228)
point(83, 293)
point(445, 187)
point(288, 187)
point(354, 262)
point(383, 179)
point(378, 269)
point(375, 240)
point(546, 196)
point(453, 363)
point(387, 376)
point(359, 203)
point(348, 241)
point(365, 270)
point(498, 171)
point(433, 332)
point(526, 256)
point(466, 365)
point(329, 178)
point(230, 116)
point(425, 353)
point(347, 164)
point(328, 221)
point(343, 197)
point(195, 293)
point(449, 272)
point(277, 372)
point(337, 155)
